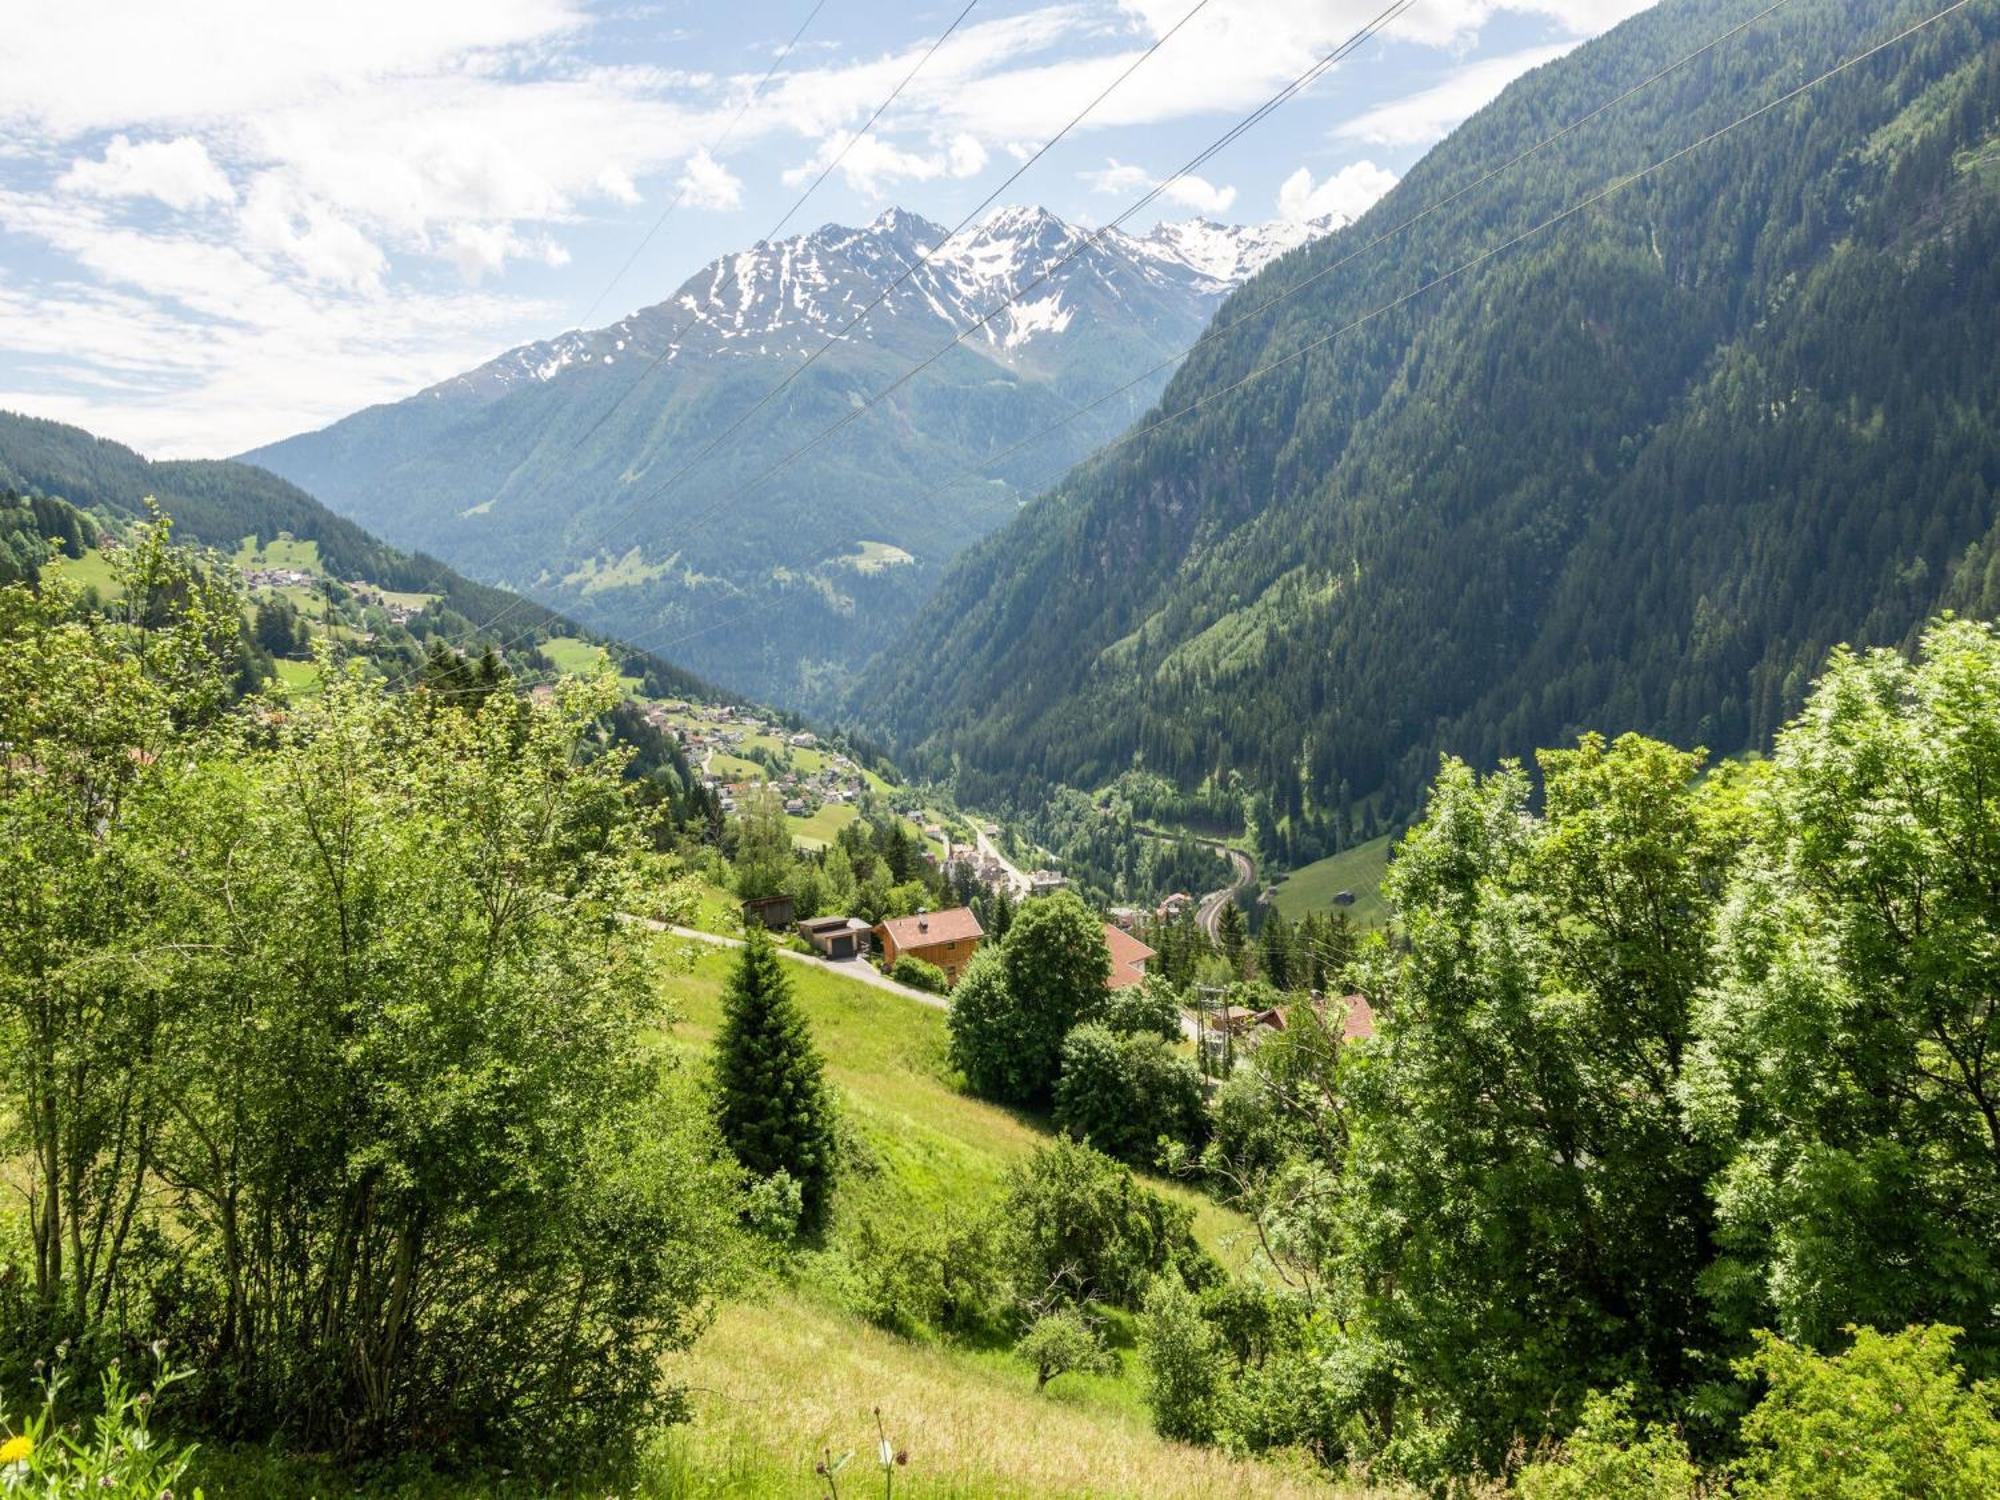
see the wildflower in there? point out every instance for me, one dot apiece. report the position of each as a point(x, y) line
point(16, 1450)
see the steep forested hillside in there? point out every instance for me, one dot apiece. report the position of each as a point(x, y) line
point(1638, 472)
point(220, 504)
point(579, 468)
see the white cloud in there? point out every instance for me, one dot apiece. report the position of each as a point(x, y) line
point(617, 185)
point(707, 183)
point(180, 173)
point(872, 166)
point(278, 218)
point(1187, 191)
point(480, 249)
point(1117, 176)
point(1199, 194)
point(1347, 194)
point(1456, 23)
point(1430, 115)
point(965, 156)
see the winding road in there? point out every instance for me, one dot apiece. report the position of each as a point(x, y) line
point(1209, 913)
point(992, 851)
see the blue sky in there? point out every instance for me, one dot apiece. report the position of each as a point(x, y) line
point(224, 221)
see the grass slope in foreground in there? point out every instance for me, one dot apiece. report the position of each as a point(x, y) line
point(790, 1373)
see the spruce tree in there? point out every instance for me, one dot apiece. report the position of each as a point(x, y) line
point(772, 1099)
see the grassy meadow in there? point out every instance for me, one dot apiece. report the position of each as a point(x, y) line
point(1360, 870)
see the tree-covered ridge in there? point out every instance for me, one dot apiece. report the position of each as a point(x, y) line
point(219, 503)
point(1639, 472)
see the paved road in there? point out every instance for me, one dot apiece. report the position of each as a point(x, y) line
point(851, 968)
point(1209, 913)
point(992, 850)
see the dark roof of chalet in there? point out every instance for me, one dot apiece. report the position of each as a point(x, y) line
point(927, 929)
point(833, 924)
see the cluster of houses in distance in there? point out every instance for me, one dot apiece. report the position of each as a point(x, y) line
point(946, 939)
point(826, 776)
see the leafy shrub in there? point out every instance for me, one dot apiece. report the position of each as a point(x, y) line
point(919, 974)
point(1611, 1457)
point(1123, 1093)
point(1012, 1010)
point(940, 1273)
point(1065, 1341)
point(1892, 1416)
point(1184, 1361)
point(1142, 1010)
point(1077, 1218)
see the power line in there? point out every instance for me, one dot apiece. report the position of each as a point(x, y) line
point(671, 341)
point(1318, 69)
point(1385, 308)
point(854, 414)
point(854, 139)
point(910, 270)
point(712, 147)
point(1219, 329)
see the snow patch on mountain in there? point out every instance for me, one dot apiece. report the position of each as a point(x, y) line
point(1018, 279)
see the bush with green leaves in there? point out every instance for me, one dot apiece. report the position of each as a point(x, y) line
point(1066, 1340)
point(1015, 1003)
point(920, 974)
point(360, 1104)
point(1124, 1093)
point(1186, 1366)
point(1076, 1218)
point(930, 1273)
point(1612, 1456)
point(1148, 1009)
point(1891, 1416)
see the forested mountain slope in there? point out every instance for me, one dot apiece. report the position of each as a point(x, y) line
point(577, 468)
point(1639, 471)
point(220, 503)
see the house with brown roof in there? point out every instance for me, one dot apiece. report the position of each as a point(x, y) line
point(946, 938)
point(1128, 958)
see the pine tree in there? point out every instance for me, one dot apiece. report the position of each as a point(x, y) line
point(1232, 936)
point(773, 1103)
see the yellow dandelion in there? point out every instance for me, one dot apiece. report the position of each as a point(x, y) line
point(16, 1450)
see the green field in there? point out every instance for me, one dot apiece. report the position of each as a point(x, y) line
point(819, 830)
point(729, 767)
point(279, 552)
point(576, 657)
point(299, 676)
point(1360, 870)
point(572, 655)
point(92, 570)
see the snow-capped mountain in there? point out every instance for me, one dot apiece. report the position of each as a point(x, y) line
point(572, 468)
point(1018, 278)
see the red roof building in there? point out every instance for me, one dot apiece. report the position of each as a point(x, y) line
point(1128, 958)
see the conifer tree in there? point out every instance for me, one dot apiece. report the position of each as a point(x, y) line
point(772, 1100)
point(1232, 936)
